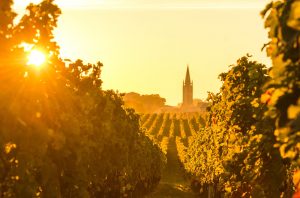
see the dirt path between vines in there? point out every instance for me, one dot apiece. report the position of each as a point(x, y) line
point(173, 184)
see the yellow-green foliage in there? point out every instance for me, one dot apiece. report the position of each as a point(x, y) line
point(164, 145)
point(235, 152)
point(283, 94)
point(61, 135)
point(181, 150)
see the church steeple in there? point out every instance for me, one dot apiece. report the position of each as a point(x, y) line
point(187, 76)
point(187, 90)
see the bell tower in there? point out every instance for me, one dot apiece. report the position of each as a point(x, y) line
point(187, 100)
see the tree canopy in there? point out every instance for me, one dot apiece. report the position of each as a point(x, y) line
point(144, 103)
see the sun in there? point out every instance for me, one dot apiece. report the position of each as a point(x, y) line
point(36, 58)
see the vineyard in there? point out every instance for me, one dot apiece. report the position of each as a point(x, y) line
point(172, 125)
point(232, 150)
point(173, 132)
point(62, 135)
point(167, 127)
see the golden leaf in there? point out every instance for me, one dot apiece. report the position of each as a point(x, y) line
point(294, 18)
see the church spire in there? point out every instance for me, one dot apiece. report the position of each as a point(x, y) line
point(187, 76)
point(187, 90)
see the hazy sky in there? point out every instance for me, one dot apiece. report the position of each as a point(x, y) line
point(145, 45)
point(153, 3)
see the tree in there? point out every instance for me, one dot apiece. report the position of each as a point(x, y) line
point(144, 103)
